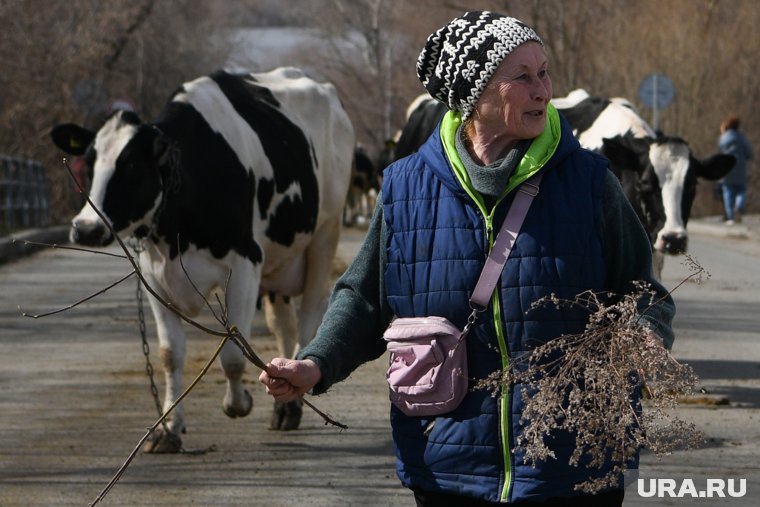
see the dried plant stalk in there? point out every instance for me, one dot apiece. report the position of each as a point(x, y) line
point(586, 384)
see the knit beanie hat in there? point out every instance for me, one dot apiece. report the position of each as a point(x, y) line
point(459, 58)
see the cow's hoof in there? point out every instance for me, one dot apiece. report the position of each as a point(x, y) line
point(233, 411)
point(286, 416)
point(162, 442)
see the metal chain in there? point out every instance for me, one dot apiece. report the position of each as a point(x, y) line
point(146, 350)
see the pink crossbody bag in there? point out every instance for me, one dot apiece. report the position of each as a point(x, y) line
point(427, 371)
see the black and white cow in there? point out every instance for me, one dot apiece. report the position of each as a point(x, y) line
point(363, 190)
point(242, 173)
point(422, 115)
point(659, 174)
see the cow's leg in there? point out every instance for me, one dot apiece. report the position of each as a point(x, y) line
point(658, 262)
point(286, 415)
point(371, 202)
point(281, 320)
point(172, 346)
point(237, 400)
point(241, 300)
point(353, 207)
point(319, 258)
point(319, 263)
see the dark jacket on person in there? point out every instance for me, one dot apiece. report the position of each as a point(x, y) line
point(733, 142)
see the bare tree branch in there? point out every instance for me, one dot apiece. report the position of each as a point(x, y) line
point(122, 41)
point(155, 425)
point(66, 247)
point(91, 296)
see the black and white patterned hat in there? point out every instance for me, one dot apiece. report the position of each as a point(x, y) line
point(459, 58)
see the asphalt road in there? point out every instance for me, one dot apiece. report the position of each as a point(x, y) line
point(718, 333)
point(75, 400)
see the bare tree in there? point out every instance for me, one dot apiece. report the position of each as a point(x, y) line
point(374, 46)
point(64, 60)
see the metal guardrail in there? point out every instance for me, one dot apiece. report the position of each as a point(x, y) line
point(24, 194)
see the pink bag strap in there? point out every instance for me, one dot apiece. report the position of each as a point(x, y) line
point(502, 247)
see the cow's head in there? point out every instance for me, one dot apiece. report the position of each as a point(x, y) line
point(127, 161)
point(659, 177)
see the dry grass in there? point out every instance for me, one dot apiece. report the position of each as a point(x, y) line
point(587, 384)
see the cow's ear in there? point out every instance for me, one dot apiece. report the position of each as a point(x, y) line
point(715, 167)
point(71, 138)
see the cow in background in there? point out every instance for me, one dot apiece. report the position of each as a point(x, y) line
point(422, 115)
point(658, 173)
point(363, 190)
point(242, 174)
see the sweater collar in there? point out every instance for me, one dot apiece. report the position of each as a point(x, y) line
point(541, 150)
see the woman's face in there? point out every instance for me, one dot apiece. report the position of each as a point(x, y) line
point(513, 105)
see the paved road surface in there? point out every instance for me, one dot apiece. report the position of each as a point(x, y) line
point(718, 333)
point(74, 400)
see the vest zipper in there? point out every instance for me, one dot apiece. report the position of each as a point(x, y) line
point(489, 231)
point(541, 150)
point(501, 339)
point(505, 396)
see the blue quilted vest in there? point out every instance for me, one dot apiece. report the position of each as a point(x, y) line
point(437, 242)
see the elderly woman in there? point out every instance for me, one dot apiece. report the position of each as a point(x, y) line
point(431, 232)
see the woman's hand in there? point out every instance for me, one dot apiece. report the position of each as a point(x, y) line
point(290, 378)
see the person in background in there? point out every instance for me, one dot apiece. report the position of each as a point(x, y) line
point(734, 184)
point(435, 220)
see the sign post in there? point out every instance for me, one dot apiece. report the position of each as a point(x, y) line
point(656, 91)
